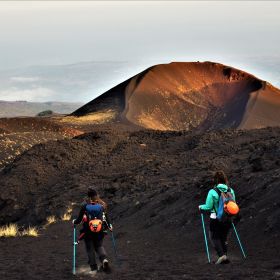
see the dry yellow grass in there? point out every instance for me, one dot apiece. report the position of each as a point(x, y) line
point(98, 117)
point(67, 216)
point(30, 231)
point(10, 230)
point(51, 220)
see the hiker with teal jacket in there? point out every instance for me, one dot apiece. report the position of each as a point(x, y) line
point(219, 230)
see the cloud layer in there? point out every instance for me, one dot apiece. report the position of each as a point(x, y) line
point(37, 94)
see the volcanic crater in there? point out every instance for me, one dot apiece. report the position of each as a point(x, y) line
point(190, 95)
point(149, 146)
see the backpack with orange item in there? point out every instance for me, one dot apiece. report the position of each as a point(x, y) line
point(94, 217)
point(228, 207)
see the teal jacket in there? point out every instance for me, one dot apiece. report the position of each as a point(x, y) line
point(212, 200)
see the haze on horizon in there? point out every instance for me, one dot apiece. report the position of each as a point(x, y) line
point(136, 35)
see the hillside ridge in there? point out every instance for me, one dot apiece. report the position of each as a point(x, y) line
point(190, 95)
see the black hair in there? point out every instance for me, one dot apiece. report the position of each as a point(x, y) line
point(91, 192)
point(220, 178)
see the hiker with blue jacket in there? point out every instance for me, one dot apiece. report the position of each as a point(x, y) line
point(219, 229)
point(93, 215)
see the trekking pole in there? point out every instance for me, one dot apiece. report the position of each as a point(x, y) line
point(238, 239)
point(113, 239)
point(115, 247)
point(205, 238)
point(74, 250)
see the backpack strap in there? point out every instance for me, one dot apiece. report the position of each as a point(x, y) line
point(217, 191)
point(219, 194)
point(86, 213)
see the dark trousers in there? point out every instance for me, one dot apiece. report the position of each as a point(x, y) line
point(94, 244)
point(218, 235)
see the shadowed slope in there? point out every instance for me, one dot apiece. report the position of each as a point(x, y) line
point(263, 108)
point(153, 182)
point(182, 96)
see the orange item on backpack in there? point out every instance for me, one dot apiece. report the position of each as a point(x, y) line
point(95, 225)
point(231, 208)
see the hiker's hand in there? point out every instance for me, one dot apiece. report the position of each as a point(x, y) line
point(199, 208)
point(73, 221)
point(111, 228)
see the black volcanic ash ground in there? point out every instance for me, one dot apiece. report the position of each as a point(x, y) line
point(153, 182)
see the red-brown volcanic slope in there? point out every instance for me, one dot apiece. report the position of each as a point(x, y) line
point(180, 96)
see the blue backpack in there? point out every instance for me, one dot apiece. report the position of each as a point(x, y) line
point(228, 207)
point(94, 213)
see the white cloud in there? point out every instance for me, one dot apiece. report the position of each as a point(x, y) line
point(25, 79)
point(39, 94)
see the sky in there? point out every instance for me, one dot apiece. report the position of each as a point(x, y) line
point(243, 34)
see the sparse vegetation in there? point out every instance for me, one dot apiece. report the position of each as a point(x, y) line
point(51, 220)
point(67, 216)
point(30, 231)
point(10, 230)
point(98, 117)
